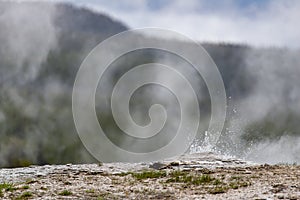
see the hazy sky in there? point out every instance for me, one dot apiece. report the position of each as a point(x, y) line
point(257, 22)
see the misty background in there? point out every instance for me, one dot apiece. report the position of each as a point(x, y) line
point(255, 46)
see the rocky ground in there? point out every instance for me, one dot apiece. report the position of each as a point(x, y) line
point(196, 176)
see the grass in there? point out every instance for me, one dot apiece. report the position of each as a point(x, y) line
point(30, 181)
point(198, 180)
point(243, 184)
point(184, 177)
point(238, 184)
point(25, 187)
point(236, 178)
point(175, 177)
point(7, 187)
point(145, 174)
point(25, 195)
point(212, 185)
point(218, 190)
point(178, 173)
point(65, 193)
point(233, 186)
point(100, 198)
point(90, 191)
point(217, 182)
point(104, 196)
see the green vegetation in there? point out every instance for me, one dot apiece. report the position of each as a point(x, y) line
point(149, 174)
point(104, 196)
point(30, 181)
point(213, 185)
point(90, 191)
point(218, 190)
point(25, 195)
point(100, 198)
point(183, 177)
point(7, 187)
point(238, 182)
point(236, 178)
point(175, 177)
point(217, 182)
point(65, 193)
point(145, 174)
point(25, 187)
point(233, 186)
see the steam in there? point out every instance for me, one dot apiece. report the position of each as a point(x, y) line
point(27, 35)
point(276, 86)
point(275, 96)
point(285, 150)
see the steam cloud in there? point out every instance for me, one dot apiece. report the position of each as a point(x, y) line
point(27, 35)
point(276, 92)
